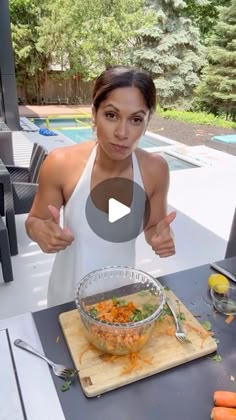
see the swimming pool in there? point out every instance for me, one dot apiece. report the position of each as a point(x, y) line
point(56, 123)
point(174, 163)
point(79, 130)
point(81, 135)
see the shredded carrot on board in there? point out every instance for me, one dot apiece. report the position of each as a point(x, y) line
point(201, 332)
point(134, 365)
point(229, 319)
point(147, 361)
point(113, 357)
point(170, 330)
point(203, 341)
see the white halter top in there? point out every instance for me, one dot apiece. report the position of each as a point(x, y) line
point(88, 251)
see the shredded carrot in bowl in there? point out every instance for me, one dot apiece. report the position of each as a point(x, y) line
point(119, 311)
point(117, 340)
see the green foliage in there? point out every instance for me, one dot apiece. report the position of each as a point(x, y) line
point(93, 35)
point(172, 52)
point(217, 91)
point(83, 36)
point(30, 59)
point(196, 118)
point(204, 14)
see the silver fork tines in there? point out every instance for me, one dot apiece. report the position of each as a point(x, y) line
point(179, 333)
point(59, 370)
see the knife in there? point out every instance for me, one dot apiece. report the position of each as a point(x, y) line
point(223, 271)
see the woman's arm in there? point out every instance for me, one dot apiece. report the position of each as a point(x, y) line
point(42, 224)
point(157, 232)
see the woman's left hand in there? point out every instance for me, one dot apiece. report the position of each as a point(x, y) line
point(162, 241)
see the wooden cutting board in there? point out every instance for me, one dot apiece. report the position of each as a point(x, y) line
point(100, 372)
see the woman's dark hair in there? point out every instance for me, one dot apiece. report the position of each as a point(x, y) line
point(121, 76)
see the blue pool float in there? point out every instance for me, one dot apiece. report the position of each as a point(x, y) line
point(228, 138)
point(47, 132)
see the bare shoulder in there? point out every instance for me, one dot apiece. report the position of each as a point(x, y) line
point(68, 156)
point(63, 166)
point(154, 169)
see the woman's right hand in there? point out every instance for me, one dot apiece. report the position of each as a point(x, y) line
point(51, 237)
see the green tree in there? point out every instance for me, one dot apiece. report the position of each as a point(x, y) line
point(172, 52)
point(93, 34)
point(30, 59)
point(204, 14)
point(217, 91)
point(85, 35)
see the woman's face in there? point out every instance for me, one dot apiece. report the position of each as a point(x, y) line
point(120, 121)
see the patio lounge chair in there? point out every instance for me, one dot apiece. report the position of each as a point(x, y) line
point(231, 246)
point(5, 256)
point(31, 174)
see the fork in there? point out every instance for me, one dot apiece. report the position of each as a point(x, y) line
point(59, 370)
point(179, 333)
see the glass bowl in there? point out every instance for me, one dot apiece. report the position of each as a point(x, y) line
point(118, 287)
point(225, 302)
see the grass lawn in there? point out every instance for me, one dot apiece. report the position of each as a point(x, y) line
point(196, 118)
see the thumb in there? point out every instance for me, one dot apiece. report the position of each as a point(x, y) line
point(54, 213)
point(68, 232)
point(164, 223)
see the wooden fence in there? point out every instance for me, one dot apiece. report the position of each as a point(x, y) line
point(56, 90)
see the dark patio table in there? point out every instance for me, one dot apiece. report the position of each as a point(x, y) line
point(181, 393)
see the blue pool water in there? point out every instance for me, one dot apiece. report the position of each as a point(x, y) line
point(175, 164)
point(80, 135)
point(77, 131)
point(57, 123)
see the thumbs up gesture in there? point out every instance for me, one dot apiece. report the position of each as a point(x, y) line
point(52, 237)
point(162, 241)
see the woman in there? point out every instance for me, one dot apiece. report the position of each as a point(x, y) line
point(123, 102)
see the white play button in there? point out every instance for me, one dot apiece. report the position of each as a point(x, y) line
point(116, 210)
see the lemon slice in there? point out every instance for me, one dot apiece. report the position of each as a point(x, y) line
point(219, 283)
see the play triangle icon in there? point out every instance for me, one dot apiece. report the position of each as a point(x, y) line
point(116, 210)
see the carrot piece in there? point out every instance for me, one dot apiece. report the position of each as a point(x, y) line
point(170, 330)
point(225, 398)
point(201, 332)
point(133, 357)
point(113, 357)
point(229, 319)
point(147, 361)
point(223, 413)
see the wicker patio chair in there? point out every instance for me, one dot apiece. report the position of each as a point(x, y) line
point(31, 174)
point(15, 198)
point(7, 207)
point(5, 255)
point(23, 196)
